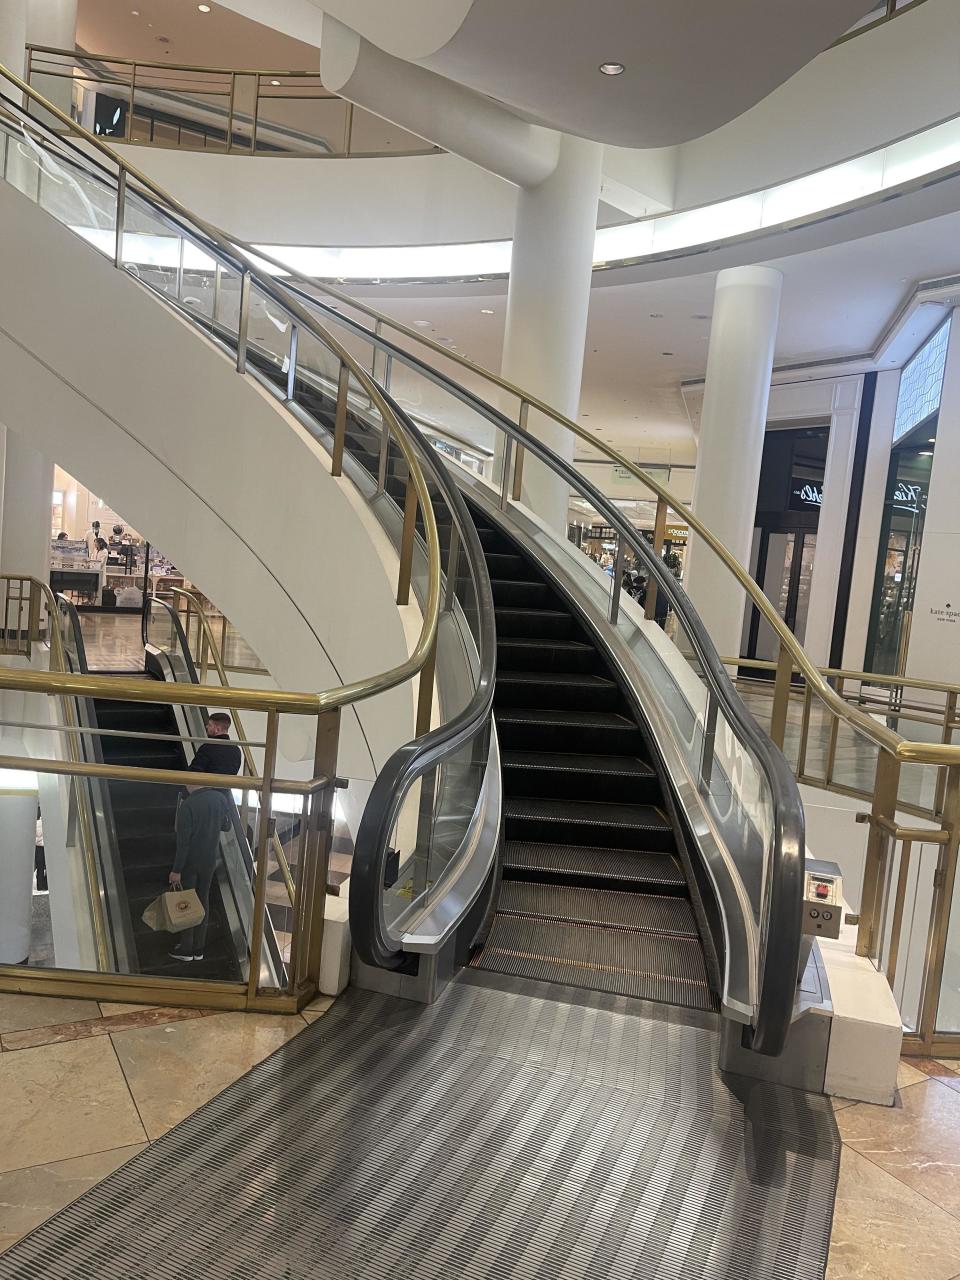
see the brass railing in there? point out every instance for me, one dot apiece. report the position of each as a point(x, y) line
point(200, 621)
point(220, 109)
point(883, 12)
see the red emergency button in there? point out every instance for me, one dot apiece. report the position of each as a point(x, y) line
point(822, 890)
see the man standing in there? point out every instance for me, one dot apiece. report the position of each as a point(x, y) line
point(219, 755)
point(200, 819)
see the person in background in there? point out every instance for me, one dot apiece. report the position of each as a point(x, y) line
point(219, 754)
point(61, 536)
point(91, 538)
point(200, 820)
point(99, 557)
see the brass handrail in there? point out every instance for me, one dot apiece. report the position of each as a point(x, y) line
point(242, 740)
point(301, 704)
point(78, 54)
point(894, 9)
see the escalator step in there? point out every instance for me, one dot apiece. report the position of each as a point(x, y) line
point(584, 822)
point(507, 564)
point(641, 912)
point(517, 654)
point(646, 966)
point(557, 690)
point(584, 864)
point(517, 594)
point(532, 624)
point(596, 732)
point(559, 774)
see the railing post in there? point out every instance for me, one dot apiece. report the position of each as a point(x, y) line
point(121, 213)
point(453, 568)
point(617, 580)
point(384, 459)
point(324, 765)
point(243, 322)
point(348, 130)
point(896, 925)
point(265, 829)
point(505, 477)
point(406, 542)
point(255, 123)
point(128, 132)
point(231, 107)
point(946, 737)
point(781, 696)
point(709, 741)
point(941, 911)
point(425, 691)
point(883, 810)
point(292, 360)
point(518, 464)
point(659, 534)
point(340, 421)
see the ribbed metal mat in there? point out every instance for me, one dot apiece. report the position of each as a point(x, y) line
point(510, 1130)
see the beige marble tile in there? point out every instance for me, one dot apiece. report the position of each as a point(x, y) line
point(917, 1142)
point(908, 1075)
point(61, 1101)
point(174, 1069)
point(884, 1231)
point(29, 1196)
point(108, 1008)
point(18, 1013)
point(317, 1008)
point(952, 1064)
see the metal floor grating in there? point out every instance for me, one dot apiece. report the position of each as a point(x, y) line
point(511, 1130)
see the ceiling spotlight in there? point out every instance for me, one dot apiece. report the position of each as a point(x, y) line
point(274, 81)
point(134, 13)
point(612, 68)
point(204, 8)
point(485, 311)
point(422, 324)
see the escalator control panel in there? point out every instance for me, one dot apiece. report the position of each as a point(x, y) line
point(822, 899)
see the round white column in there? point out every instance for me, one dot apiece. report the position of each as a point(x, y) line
point(13, 35)
point(739, 364)
point(25, 518)
point(547, 304)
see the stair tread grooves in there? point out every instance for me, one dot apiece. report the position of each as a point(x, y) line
point(579, 719)
point(582, 680)
point(568, 762)
point(645, 965)
point(523, 642)
point(610, 908)
point(601, 813)
point(626, 865)
point(537, 613)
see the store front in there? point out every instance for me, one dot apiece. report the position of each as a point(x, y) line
point(785, 533)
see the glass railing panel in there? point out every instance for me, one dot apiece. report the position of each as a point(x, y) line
point(184, 108)
point(297, 115)
point(269, 328)
point(154, 249)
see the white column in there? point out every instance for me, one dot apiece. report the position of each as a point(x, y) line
point(13, 35)
point(838, 470)
point(27, 499)
point(934, 650)
point(53, 23)
point(732, 425)
point(548, 300)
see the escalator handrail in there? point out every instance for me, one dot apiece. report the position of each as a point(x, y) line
point(781, 922)
point(411, 761)
point(212, 242)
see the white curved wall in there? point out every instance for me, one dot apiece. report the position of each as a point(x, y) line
point(882, 85)
point(110, 383)
point(397, 200)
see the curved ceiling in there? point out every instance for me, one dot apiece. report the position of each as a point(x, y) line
point(690, 65)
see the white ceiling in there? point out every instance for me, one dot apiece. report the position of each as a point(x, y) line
point(837, 302)
point(176, 31)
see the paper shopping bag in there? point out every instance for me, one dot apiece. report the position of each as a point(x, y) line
point(182, 909)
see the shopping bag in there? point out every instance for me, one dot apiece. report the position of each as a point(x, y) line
point(174, 911)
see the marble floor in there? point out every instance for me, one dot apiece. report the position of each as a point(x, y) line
point(85, 1086)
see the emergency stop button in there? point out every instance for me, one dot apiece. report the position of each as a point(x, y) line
point(822, 890)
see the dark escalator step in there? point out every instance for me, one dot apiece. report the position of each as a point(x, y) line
point(588, 865)
point(515, 593)
point(556, 691)
point(143, 752)
point(646, 966)
point(156, 803)
point(507, 564)
point(612, 826)
point(548, 624)
point(557, 774)
point(141, 717)
point(642, 912)
point(517, 654)
point(594, 731)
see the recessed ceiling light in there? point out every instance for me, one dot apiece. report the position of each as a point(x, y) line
point(656, 315)
point(134, 13)
point(666, 353)
point(611, 68)
point(274, 81)
point(204, 8)
point(485, 311)
point(422, 324)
